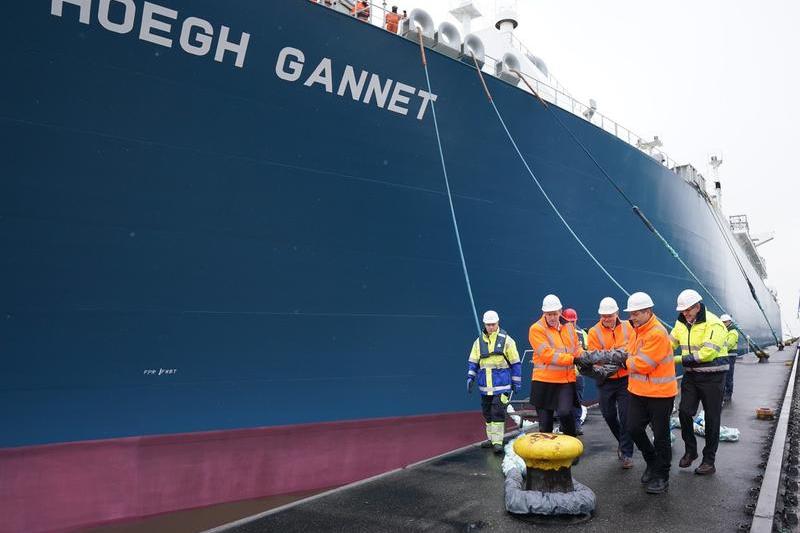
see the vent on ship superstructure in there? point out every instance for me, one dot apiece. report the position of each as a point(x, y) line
point(507, 68)
point(448, 40)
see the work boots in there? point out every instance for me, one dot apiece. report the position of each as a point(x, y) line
point(657, 486)
point(705, 469)
point(647, 477)
point(486, 444)
point(498, 448)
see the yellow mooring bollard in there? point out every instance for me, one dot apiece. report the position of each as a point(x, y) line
point(548, 460)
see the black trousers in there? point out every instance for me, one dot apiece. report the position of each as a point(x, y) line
point(642, 411)
point(564, 410)
point(493, 409)
point(729, 377)
point(614, 400)
point(707, 388)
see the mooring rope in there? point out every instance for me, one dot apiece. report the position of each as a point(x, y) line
point(447, 185)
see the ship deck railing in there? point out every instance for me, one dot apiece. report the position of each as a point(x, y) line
point(554, 94)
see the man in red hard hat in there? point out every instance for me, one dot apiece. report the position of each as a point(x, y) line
point(570, 315)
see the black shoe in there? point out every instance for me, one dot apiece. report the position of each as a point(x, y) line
point(579, 431)
point(498, 448)
point(486, 444)
point(705, 469)
point(657, 486)
point(687, 459)
point(647, 477)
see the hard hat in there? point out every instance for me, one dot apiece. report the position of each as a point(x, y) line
point(551, 303)
point(726, 318)
point(490, 317)
point(688, 298)
point(570, 314)
point(638, 301)
point(608, 306)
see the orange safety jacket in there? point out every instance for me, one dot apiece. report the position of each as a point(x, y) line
point(651, 367)
point(603, 338)
point(392, 20)
point(361, 10)
point(554, 351)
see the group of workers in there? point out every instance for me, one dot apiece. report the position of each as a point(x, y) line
point(363, 12)
point(633, 362)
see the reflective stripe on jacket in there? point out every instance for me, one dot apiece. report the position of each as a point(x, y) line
point(554, 351)
point(603, 338)
point(494, 363)
point(732, 341)
point(704, 341)
point(651, 368)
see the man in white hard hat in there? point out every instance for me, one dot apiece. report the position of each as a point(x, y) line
point(608, 334)
point(700, 335)
point(652, 386)
point(732, 347)
point(555, 346)
point(494, 362)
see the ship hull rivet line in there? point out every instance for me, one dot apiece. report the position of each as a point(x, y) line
point(638, 212)
point(447, 185)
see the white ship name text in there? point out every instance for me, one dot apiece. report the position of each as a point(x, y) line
point(387, 94)
point(195, 36)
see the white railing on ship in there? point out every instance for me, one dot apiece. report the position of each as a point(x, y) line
point(555, 95)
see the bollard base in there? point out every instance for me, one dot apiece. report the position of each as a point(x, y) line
point(547, 505)
point(553, 520)
point(556, 480)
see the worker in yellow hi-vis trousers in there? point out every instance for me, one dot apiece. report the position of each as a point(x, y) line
point(494, 362)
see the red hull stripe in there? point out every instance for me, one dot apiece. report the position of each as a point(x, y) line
point(61, 487)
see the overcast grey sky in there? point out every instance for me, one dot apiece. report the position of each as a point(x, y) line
point(707, 77)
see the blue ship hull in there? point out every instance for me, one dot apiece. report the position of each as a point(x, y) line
point(190, 245)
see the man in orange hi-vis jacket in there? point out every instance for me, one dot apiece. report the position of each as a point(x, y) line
point(555, 346)
point(610, 333)
point(652, 386)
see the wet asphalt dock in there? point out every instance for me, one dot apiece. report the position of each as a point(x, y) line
point(464, 491)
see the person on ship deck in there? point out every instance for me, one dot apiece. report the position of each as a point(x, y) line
point(391, 20)
point(361, 10)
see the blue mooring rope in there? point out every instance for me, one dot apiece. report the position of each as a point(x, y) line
point(541, 189)
point(638, 212)
point(447, 185)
